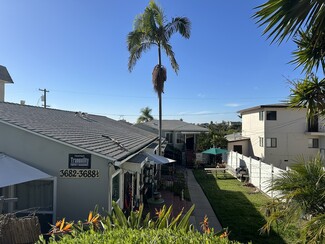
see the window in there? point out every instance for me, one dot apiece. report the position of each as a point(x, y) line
point(270, 115)
point(261, 115)
point(313, 124)
point(169, 137)
point(271, 142)
point(313, 143)
point(261, 141)
point(116, 188)
point(180, 138)
point(35, 194)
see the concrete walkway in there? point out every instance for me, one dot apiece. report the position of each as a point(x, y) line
point(202, 205)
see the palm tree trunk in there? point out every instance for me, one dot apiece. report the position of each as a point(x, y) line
point(160, 106)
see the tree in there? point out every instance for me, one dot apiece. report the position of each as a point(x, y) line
point(151, 29)
point(303, 19)
point(145, 115)
point(301, 199)
point(309, 93)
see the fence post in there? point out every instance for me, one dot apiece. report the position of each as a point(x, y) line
point(250, 174)
point(260, 174)
point(236, 160)
point(272, 178)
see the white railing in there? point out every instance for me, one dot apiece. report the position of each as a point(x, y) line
point(260, 174)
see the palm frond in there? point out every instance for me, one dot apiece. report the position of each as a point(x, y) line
point(283, 18)
point(182, 25)
point(314, 230)
point(136, 52)
point(171, 55)
point(308, 92)
point(311, 50)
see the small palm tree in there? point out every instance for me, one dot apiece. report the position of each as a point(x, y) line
point(145, 115)
point(151, 29)
point(310, 93)
point(302, 199)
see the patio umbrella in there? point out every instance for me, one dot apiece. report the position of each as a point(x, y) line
point(215, 151)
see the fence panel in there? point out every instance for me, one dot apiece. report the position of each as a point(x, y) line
point(261, 175)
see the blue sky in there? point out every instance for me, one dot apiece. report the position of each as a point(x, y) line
point(76, 49)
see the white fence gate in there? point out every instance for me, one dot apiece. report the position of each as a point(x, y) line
point(261, 175)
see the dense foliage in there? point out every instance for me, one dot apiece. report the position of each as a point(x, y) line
point(302, 199)
point(141, 236)
point(118, 228)
point(216, 136)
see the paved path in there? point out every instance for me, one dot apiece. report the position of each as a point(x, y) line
point(202, 205)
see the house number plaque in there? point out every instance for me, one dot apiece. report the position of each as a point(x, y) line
point(79, 173)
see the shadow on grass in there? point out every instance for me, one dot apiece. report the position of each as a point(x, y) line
point(234, 210)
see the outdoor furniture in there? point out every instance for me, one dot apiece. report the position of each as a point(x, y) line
point(212, 170)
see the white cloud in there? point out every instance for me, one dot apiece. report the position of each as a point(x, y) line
point(232, 105)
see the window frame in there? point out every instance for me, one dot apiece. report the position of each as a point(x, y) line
point(314, 143)
point(271, 142)
point(261, 115)
point(261, 141)
point(271, 115)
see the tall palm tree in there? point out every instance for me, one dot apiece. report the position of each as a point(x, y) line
point(302, 199)
point(285, 18)
point(145, 115)
point(151, 29)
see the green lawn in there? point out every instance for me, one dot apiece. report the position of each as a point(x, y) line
point(239, 208)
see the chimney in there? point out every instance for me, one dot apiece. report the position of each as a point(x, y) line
point(4, 78)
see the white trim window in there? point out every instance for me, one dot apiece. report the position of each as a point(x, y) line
point(261, 141)
point(271, 142)
point(116, 187)
point(261, 115)
point(313, 143)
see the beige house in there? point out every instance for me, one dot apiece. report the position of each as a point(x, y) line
point(277, 134)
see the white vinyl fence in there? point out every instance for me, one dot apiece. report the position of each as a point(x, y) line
point(261, 175)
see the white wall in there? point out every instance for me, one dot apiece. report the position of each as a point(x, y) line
point(75, 197)
point(253, 128)
point(289, 129)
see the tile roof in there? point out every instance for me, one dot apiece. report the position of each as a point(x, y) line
point(173, 125)
point(98, 134)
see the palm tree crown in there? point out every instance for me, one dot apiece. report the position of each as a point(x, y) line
point(152, 29)
point(145, 115)
point(309, 93)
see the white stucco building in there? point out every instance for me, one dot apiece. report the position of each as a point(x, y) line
point(80, 160)
point(278, 134)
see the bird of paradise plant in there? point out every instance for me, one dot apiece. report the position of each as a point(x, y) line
point(61, 227)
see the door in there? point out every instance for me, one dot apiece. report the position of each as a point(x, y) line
point(238, 148)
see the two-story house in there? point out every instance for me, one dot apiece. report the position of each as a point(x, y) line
point(278, 134)
point(178, 134)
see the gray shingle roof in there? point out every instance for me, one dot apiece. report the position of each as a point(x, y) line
point(4, 75)
point(173, 125)
point(98, 134)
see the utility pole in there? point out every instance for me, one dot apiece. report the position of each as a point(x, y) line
point(44, 96)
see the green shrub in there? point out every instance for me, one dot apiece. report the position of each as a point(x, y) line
point(141, 236)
